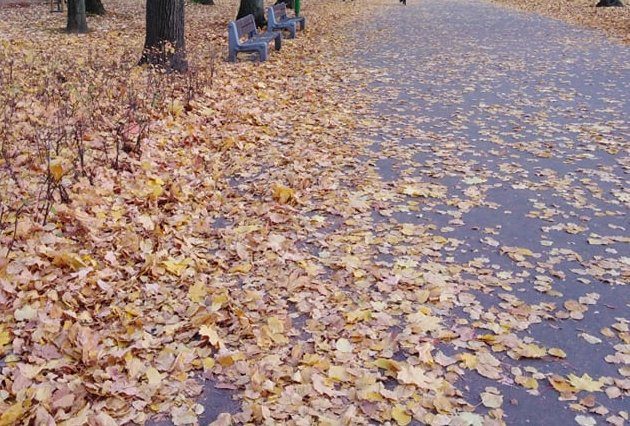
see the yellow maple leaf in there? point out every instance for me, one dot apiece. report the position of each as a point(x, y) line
point(315, 360)
point(359, 315)
point(561, 385)
point(411, 375)
point(210, 332)
point(527, 382)
point(176, 267)
point(530, 350)
point(470, 360)
point(400, 414)
point(282, 194)
point(208, 363)
point(156, 187)
point(153, 376)
point(226, 360)
point(56, 169)
point(524, 251)
point(557, 352)
point(387, 364)
point(275, 325)
point(242, 268)
point(337, 373)
point(11, 415)
point(585, 383)
point(218, 301)
point(71, 260)
point(5, 336)
point(197, 292)
point(423, 190)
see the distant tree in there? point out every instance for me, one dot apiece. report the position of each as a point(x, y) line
point(94, 7)
point(609, 3)
point(253, 7)
point(77, 21)
point(164, 43)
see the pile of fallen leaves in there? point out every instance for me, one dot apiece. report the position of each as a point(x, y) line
point(615, 21)
point(148, 222)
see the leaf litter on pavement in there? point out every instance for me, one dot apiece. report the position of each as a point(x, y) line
point(231, 226)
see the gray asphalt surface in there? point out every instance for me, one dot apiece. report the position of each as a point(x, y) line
point(532, 113)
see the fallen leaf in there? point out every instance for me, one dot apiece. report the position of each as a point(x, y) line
point(283, 194)
point(400, 414)
point(585, 383)
point(585, 420)
point(197, 292)
point(56, 169)
point(343, 345)
point(210, 332)
point(153, 376)
point(11, 415)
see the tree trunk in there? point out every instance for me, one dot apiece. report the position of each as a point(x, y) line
point(610, 3)
point(254, 7)
point(290, 3)
point(94, 7)
point(77, 22)
point(164, 44)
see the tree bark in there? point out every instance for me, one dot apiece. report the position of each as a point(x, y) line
point(94, 7)
point(77, 22)
point(609, 3)
point(164, 43)
point(290, 3)
point(254, 7)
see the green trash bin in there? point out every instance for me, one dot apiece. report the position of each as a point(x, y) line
point(296, 7)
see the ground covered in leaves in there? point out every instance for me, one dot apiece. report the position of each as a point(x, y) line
point(319, 234)
point(615, 21)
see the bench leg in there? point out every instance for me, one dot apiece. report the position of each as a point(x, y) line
point(262, 52)
point(232, 55)
point(302, 24)
point(278, 41)
point(292, 30)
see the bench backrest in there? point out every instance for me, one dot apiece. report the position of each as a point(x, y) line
point(246, 27)
point(279, 11)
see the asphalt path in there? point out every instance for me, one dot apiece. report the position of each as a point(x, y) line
point(523, 121)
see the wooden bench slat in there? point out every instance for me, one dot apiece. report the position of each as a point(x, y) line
point(246, 26)
point(280, 10)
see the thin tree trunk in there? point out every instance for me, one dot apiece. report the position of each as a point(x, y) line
point(94, 7)
point(77, 22)
point(164, 44)
point(254, 7)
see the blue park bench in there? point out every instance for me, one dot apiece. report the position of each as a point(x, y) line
point(256, 42)
point(278, 19)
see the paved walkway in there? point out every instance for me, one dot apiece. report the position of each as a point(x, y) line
point(522, 122)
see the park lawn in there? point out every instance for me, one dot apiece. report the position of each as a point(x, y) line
point(149, 223)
